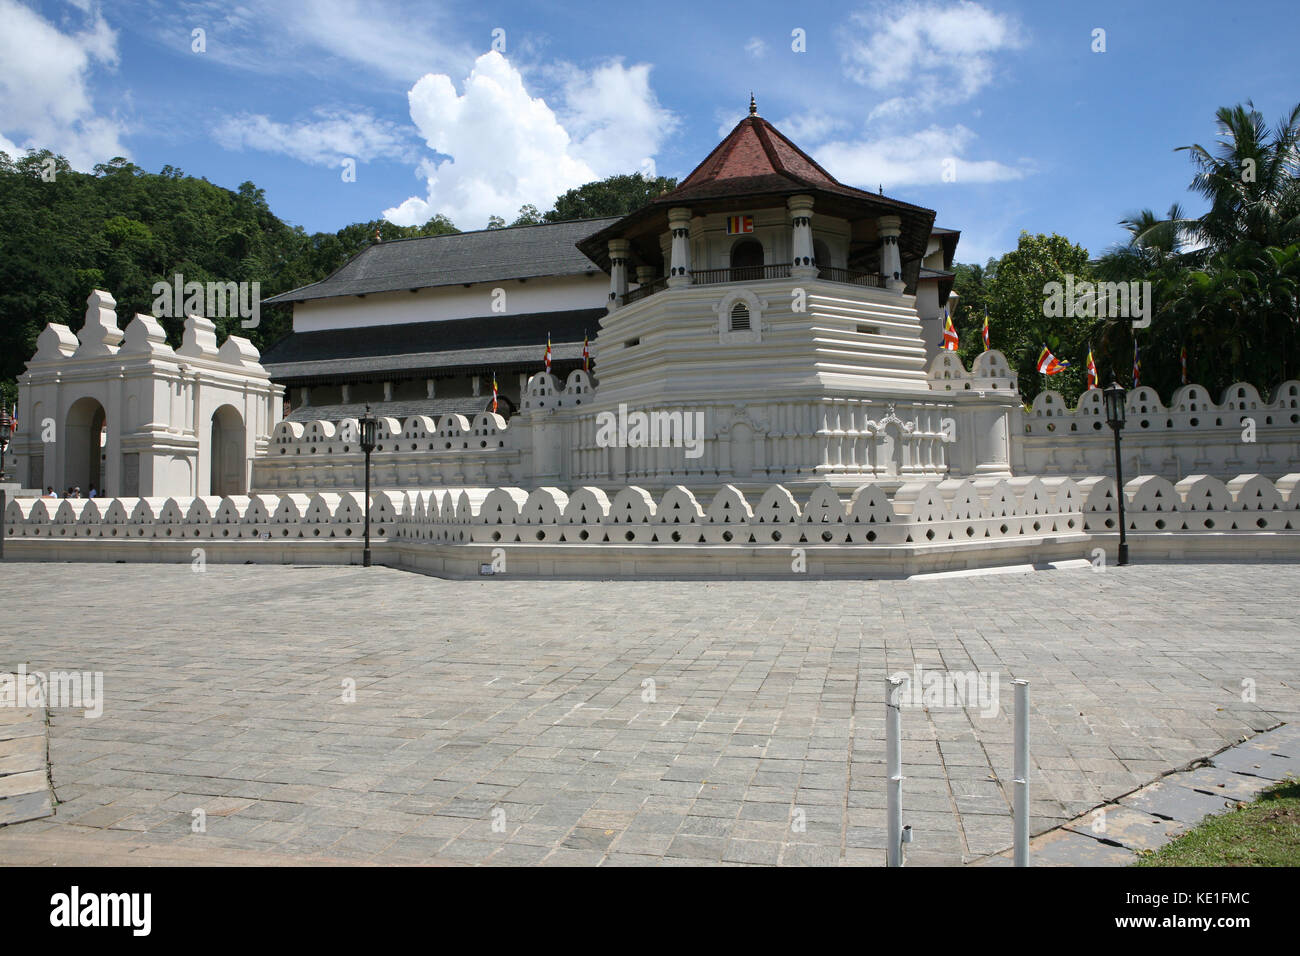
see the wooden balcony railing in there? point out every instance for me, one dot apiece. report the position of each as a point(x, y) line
point(650, 288)
point(739, 274)
point(849, 276)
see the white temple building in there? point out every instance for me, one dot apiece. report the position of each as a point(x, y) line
point(762, 337)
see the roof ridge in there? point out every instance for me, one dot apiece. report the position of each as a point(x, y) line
point(496, 229)
point(760, 130)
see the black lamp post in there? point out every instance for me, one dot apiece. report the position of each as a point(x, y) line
point(6, 432)
point(368, 425)
point(1114, 396)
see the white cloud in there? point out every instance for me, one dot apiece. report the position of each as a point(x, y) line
point(913, 159)
point(508, 148)
point(756, 47)
point(928, 53)
point(614, 118)
point(45, 101)
point(325, 140)
point(385, 39)
point(808, 128)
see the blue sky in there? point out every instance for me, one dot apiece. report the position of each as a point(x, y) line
point(1045, 134)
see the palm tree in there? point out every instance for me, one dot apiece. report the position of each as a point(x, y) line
point(1156, 241)
point(1250, 180)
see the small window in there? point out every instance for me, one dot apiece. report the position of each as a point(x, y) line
point(631, 342)
point(740, 317)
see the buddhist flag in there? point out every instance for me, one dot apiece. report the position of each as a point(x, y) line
point(1183, 357)
point(494, 393)
point(1093, 378)
point(548, 351)
point(986, 328)
point(1048, 363)
point(738, 225)
point(586, 354)
point(1137, 365)
point(949, 333)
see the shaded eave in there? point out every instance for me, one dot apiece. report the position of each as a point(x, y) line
point(431, 349)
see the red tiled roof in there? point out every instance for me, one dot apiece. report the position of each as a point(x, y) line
point(755, 153)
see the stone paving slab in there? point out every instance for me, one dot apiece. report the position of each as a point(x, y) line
point(368, 715)
point(1258, 763)
point(24, 775)
point(1170, 800)
point(1069, 848)
point(1130, 828)
point(1153, 815)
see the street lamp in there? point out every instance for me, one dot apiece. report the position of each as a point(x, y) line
point(368, 425)
point(6, 432)
point(1115, 408)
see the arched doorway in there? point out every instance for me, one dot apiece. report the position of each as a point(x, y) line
point(747, 260)
point(85, 434)
point(228, 463)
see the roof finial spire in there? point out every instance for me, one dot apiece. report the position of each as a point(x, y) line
point(753, 107)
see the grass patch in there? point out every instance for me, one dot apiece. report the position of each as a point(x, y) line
point(1263, 833)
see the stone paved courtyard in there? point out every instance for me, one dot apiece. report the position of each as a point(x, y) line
point(512, 722)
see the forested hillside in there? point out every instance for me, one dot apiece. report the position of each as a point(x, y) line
point(122, 229)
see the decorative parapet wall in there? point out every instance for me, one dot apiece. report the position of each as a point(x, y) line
point(562, 436)
point(1193, 435)
point(925, 525)
point(453, 450)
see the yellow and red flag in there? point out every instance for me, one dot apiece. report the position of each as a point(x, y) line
point(586, 354)
point(1184, 361)
point(949, 333)
point(1048, 363)
point(986, 328)
point(1093, 378)
point(494, 393)
point(548, 351)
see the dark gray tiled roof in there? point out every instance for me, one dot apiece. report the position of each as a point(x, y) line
point(485, 342)
point(488, 255)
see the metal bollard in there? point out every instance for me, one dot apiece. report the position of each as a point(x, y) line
point(1021, 782)
point(894, 773)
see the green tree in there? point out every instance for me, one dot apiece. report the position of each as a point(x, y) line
point(1017, 295)
point(1250, 180)
point(612, 196)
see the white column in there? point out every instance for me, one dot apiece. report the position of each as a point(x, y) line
point(804, 263)
point(645, 275)
point(429, 388)
point(891, 263)
point(475, 384)
point(618, 249)
point(679, 224)
point(347, 392)
point(388, 391)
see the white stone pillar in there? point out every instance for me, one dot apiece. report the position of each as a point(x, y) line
point(306, 396)
point(475, 384)
point(388, 391)
point(891, 262)
point(347, 392)
point(804, 263)
point(645, 275)
point(618, 249)
point(679, 224)
point(429, 389)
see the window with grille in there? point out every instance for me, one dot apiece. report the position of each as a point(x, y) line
point(740, 317)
